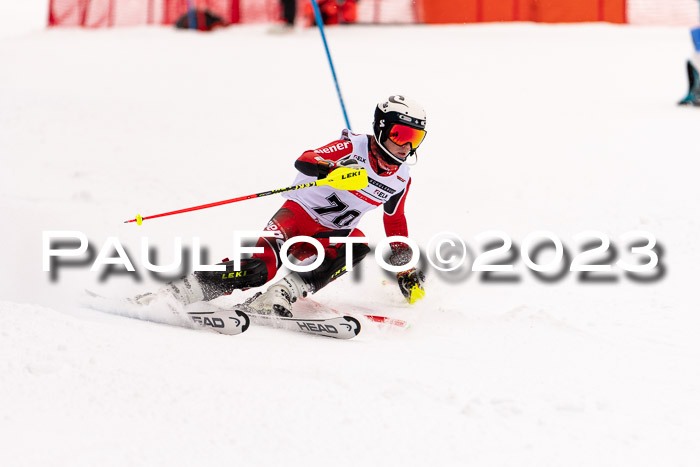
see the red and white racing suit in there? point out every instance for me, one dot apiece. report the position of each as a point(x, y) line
point(323, 212)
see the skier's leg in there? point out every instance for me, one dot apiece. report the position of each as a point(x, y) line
point(207, 285)
point(279, 296)
point(693, 96)
point(334, 264)
point(290, 221)
point(254, 272)
point(289, 11)
point(262, 267)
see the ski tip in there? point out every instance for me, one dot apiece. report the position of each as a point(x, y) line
point(389, 321)
point(357, 328)
point(245, 318)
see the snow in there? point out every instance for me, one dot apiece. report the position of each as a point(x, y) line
point(563, 128)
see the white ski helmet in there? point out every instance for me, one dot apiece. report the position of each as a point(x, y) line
point(402, 120)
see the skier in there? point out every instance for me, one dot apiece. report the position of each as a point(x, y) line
point(693, 96)
point(324, 212)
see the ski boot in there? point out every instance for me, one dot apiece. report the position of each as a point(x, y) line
point(278, 298)
point(208, 285)
point(693, 97)
point(186, 290)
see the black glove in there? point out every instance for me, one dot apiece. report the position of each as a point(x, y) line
point(411, 284)
point(325, 166)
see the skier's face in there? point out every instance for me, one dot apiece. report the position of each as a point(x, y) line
point(380, 160)
point(399, 151)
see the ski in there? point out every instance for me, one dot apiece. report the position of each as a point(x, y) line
point(311, 306)
point(222, 321)
point(342, 327)
point(237, 319)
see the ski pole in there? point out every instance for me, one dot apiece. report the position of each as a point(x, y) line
point(342, 178)
point(319, 21)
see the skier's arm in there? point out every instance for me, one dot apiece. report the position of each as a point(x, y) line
point(411, 280)
point(394, 217)
point(320, 162)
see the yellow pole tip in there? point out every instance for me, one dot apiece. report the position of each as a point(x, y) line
point(139, 219)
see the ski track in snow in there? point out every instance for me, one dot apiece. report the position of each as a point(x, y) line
point(565, 128)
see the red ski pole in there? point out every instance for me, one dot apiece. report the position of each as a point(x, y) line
point(342, 178)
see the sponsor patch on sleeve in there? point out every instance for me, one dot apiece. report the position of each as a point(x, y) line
point(340, 148)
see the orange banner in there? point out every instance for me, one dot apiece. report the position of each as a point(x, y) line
point(545, 11)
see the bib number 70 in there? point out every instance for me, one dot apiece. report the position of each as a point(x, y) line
point(345, 216)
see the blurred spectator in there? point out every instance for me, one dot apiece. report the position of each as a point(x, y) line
point(289, 12)
point(205, 20)
point(333, 11)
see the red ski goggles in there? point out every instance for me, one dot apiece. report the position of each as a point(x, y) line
point(402, 134)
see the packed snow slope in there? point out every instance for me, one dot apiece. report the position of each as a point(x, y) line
point(530, 127)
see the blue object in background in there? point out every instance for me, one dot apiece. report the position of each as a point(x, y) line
point(695, 33)
point(319, 21)
point(191, 15)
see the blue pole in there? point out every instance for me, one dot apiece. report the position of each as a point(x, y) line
point(319, 21)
